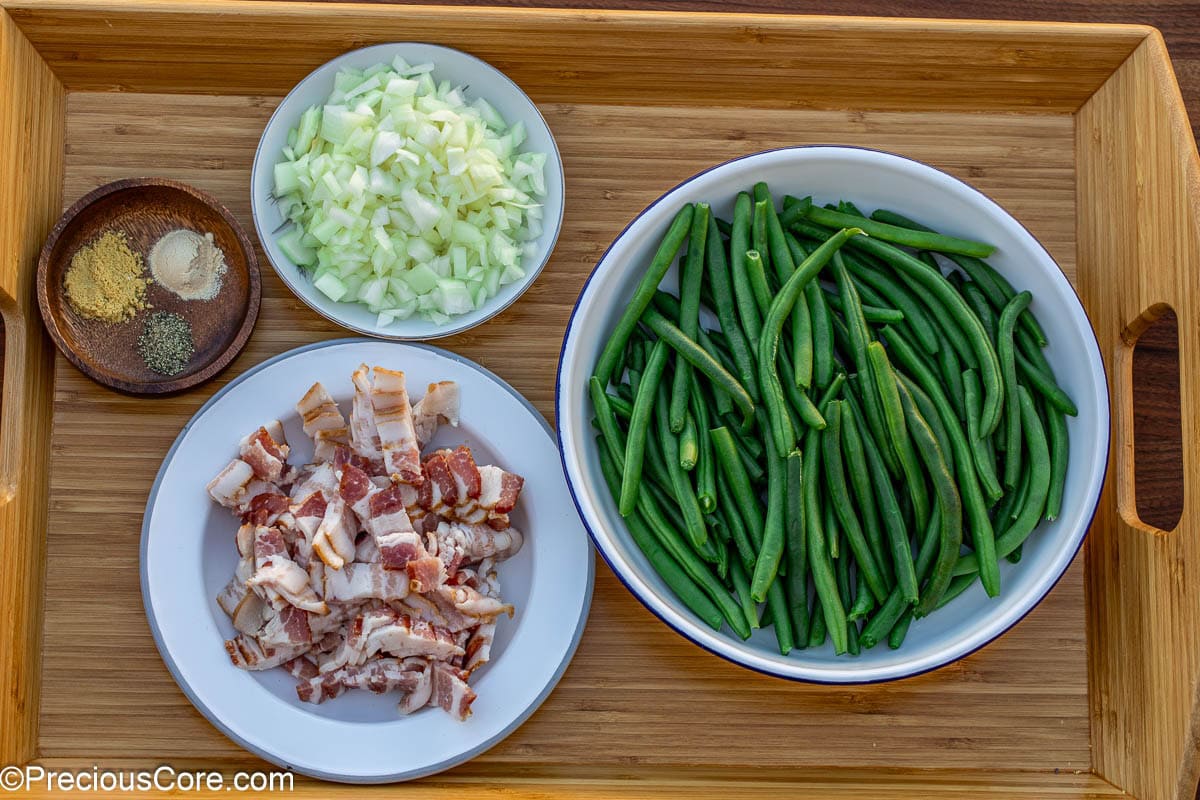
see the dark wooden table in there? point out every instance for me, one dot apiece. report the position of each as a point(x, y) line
point(1157, 433)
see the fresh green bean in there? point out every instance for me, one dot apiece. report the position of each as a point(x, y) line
point(756, 269)
point(733, 522)
point(796, 397)
point(900, 630)
point(817, 628)
point(958, 585)
point(766, 565)
point(874, 314)
point(796, 549)
point(706, 465)
point(689, 311)
point(782, 430)
point(1015, 556)
point(667, 568)
point(898, 437)
point(878, 626)
point(602, 404)
point(835, 479)
point(1006, 348)
point(744, 498)
point(1045, 385)
point(859, 337)
point(717, 270)
point(689, 445)
point(842, 570)
point(831, 525)
point(980, 305)
point(951, 368)
point(889, 508)
point(793, 209)
point(832, 611)
point(985, 460)
point(642, 296)
point(1056, 424)
point(724, 227)
point(855, 462)
point(919, 240)
point(702, 361)
point(949, 504)
point(639, 425)
point(743, 292)
point(785, 265)
point(758, 229)
point(864, 601)
point(929, 411)
point(741, 586)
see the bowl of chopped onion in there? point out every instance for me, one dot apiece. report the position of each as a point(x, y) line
point(407, 191)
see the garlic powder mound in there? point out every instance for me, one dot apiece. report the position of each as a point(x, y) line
point(188, 264)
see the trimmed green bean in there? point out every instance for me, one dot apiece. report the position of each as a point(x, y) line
point(766, 566)
point(897, 295)
point(897, 430)
point(949, 504)
point(1006, 348)
point(900, 630)
point(980, 305)
point(889, 508)
point(733, 522)
point(1045, 385)
point(919, 240)
point(706, 465)
point(879, 625)
point(833, 613)
point(744, 497)
point(739, 243)
point(796, 550)
point(1056, 424)
point(864, 601)
point(642, 296)
point(702, 361)
point(842, 570)
point(855, 461)
point(756, 270)
point(835, 480)
point(689, 311)
point(985, 460)
point(951, 368)
point(717, 270)
point(639, 425)
point(777, 603)
point(875, 314)
point(741, 586)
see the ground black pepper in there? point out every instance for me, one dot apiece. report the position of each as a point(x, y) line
point(166, 343)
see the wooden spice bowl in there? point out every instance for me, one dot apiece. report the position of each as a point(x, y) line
point(144, 209)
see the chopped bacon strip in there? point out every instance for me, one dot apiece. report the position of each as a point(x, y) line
point(301, 668)
point(266, 508)
point(245, 652)
point(334, 540)
point(364, 435)
point(358, 582)
point(394, 424)
point(438, 407)
point(499, 489)
point(287, 628)
point(323, 422)
point(450, 690)
point(266, 452)
point(386, 631)
point(426, 574)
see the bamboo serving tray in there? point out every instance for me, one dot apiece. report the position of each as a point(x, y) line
point(1079, 130)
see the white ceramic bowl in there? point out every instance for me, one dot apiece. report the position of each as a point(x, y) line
point(871, 180)
point(480, 79)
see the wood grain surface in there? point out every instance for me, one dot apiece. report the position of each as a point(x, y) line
point(1022, 700)
point(1020, 703)
point(144, 210)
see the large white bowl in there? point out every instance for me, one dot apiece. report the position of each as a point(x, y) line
point(871, 180)
point(479, 79)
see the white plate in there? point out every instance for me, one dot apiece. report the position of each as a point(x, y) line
point(871, 180)
point(480, 79)
point(188, 554)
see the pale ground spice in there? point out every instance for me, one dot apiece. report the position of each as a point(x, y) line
point(105, 280)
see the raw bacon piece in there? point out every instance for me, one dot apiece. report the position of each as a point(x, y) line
point(358, 582)
point(287, 628)
point(450, 690)
point(394, 534)
point(439, 406)
point(470, 602)
point(394, 424)
point(334, 540)
point(323, 422)
point(476, 542)
point(266, 451)
point(266, 508)
point(499, 490)
point(364, 435)
point(230, 486)
point(276, 572)
point(426, 574)
point(479, 647)
point(385, 631)
point(466, 473)
point(245, 652)
point(419, 697)
point(301, 668)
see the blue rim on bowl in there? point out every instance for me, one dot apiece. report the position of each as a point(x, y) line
point(462, 68)
point(570, 405)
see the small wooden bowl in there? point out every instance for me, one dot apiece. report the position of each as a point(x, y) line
point(144, 209)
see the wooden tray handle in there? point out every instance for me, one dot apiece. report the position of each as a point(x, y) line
point(1139, 251)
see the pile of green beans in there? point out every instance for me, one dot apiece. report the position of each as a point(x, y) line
point(870, 428)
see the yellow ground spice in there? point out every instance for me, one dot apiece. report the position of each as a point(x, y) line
point(105, 280)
